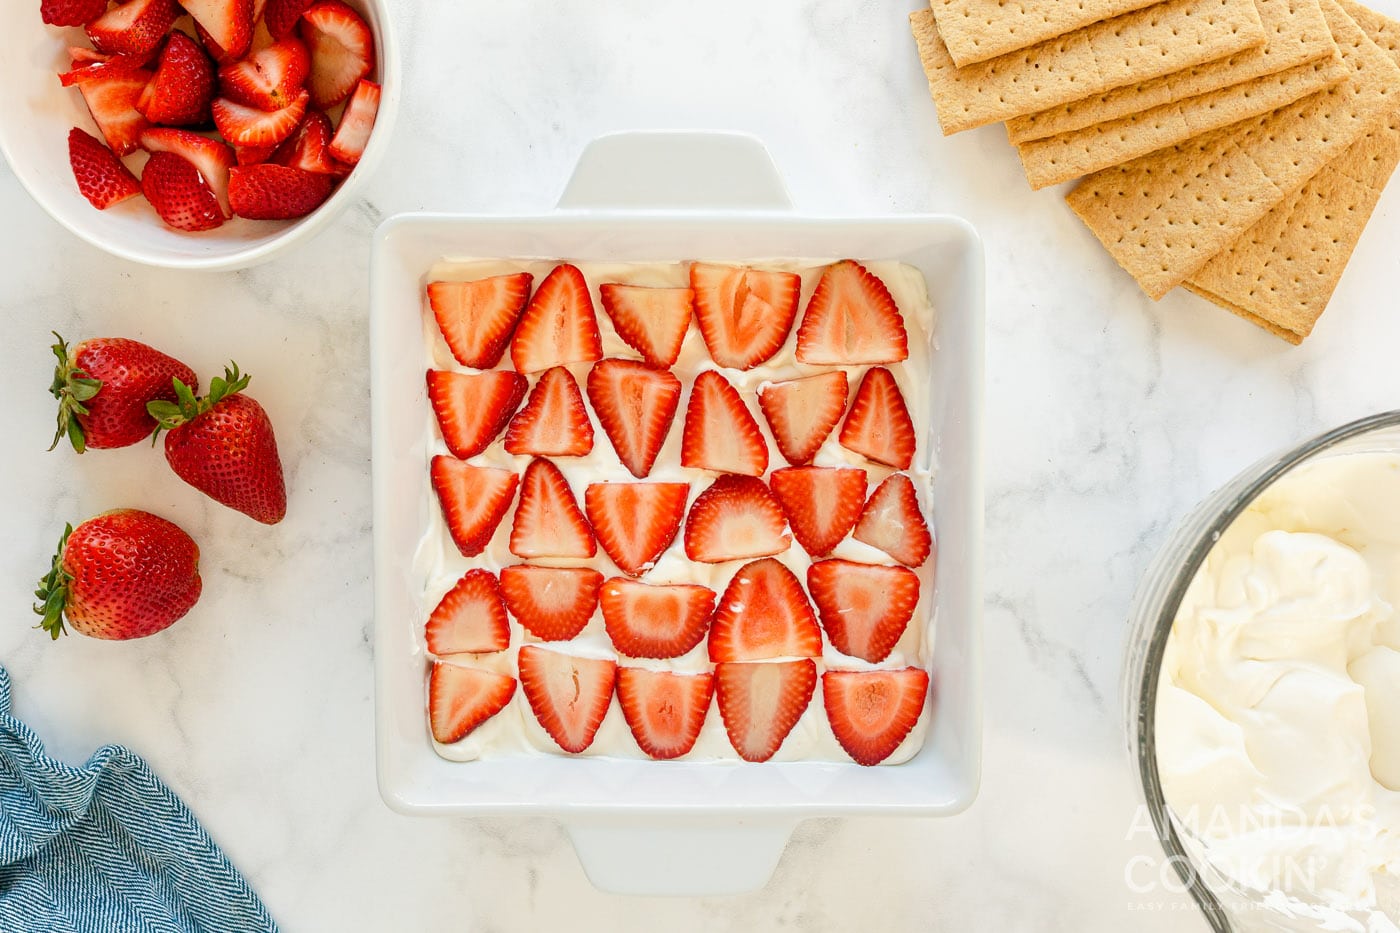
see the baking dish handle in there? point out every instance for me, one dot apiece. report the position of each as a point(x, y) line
point(675, 170)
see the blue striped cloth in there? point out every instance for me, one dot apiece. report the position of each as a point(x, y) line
point(107, 848)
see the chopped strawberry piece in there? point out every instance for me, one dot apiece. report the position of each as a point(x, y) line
point(665, 711)
point(548, 521)
point(471, 617)
point(554, 422)
point(71, 12)
point(211, 157)
point(851, 319)
point(552, 603)
point(254, 155)
point(879, 426)
point(735, 519)
point(635, 522)
point(132, 28)
point(821, 503)
point(268, 79)
point(101, 176)
point(281, 15)
point(558, 326)
point(720, 433)
point(473, 499)
point(893, 522)
point(760, 703)
point(569, 695)
point(179, 193)
point(872, 711)
point(88, 65)
point(635, 404)
point(275, 192)
point(342, 51)
point(112, 103)
point(764, 614)
point(462, 698)
point(477, 318)
point(356, 124)
point(801, 413)
point(864, 608)
point(308, 148)
point(183, 86)
point(248, 126)
point(652, 321)
point(744, 314)
point(472, 408)
point(647, 621)
point(228, 23)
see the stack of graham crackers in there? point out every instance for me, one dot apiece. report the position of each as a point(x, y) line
point(1235, 148)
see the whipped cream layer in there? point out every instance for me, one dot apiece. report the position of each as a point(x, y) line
point(515, 731)
point(1278, 715)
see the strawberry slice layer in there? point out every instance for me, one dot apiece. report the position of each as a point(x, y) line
point(462, 698)
point(477, 318)
point(802, 413)
point(471, 617)
point(569, 695)
point(548, 521)
point(864, 608)
point(744, 313)
point(893, 522)
point(851, 319)
point(821, 503)
point(664, 710)
point(647, 621)
point(101, 176)
point(878, 426)
point(472, 408)
point(558, 326)
point(473, 500)
point(719, 432)
point(552, 603)
point(872, 711)
point(635, 522)
point(735, 519)
point(764, 614)
point(652, 321)
point(635, 404)
point(554, 421)
point(760, 703)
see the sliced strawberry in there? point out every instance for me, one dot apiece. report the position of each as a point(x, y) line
point(88, 65)
point(652, 321)
point(559, 326)
point(553, 603)
point(183, 86)
point(470, 618)
point(821, 503)
point(308, 148)
point(553, 422)
point(548, 522)
point(211, 157)
point(265, 191)
point(665, 711)
point(879, 426)
point(646, 621)
point(851, 319)
point(462, 698)
point(635, 404)
point(101, 176)
point(112, 103)
point(248, 126)
point(635, 522)
point(801, 413)
point(764, 614)
point(179, 193)
point(569, 695)
point(864, 608)
point(735, 519)
point(229, 24)
point(356, 124)
point(342, 50)
point(720, 434)
point(472, 408)
point(760, 703)
point(281, 15)
point(71, 12)
point(132, 28)
point(893, 522)
point(268, 79)
point(477, 318)
point(744, 314)
point(254, 155)
point(872, 711)
point(473, 499)
point(81, 56)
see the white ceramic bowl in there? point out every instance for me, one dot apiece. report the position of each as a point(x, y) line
point(36, 113)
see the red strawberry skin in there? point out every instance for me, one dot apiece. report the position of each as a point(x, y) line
point(281, 16)
point(229, 453)
point(130, 375)
point(180, 195)
point(133, 28)
point(266, 191)
point(101, 176)
point(71, 12)
point(183, 86)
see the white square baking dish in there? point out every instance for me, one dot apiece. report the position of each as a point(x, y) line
point(674, 827)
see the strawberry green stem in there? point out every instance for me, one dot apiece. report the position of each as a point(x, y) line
point(186, 407)
point(72, 387)
point(53, 591)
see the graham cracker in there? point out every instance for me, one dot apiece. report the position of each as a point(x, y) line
point(1129, 49)
point(1163, 216)
point(1297, 34)
point(976, 30)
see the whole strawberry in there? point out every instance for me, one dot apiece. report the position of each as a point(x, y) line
point(123, 574)
point(103, 387)
point(223, 446)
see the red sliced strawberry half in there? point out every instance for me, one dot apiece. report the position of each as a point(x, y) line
point(228, 23)
point(720, 433)
point(760, 703)
point(248, 126)
point(554, 421)
point(462, 698)
point(864, 608)
point(569, 695)
point(548, 521)
point(308, 149)
point(646, 621)
point(652, 321)
point(802, 413)
point(132, 28)
point(101, 176)
point(265, 191)
point(635, 522)
point(744, 313)
point(764, 614)
point(893, 522)
point(211, 157)
point(558, 326)
point(179, 193)
point(471, 617)
point(552, 603)
point(872, 711)
point(635, 404)
point(664, 710)
point(851, 319)
point(183, 86)
point(821, 503)
point(88, 65)
point(342, 50)
point(253, 155)
point(356, 124)
point(71, 12)
point(112, 103)
point(879, 426)
point(268, 79)
point(477, 318)
point(281, 16)
point(735, 519)
point(473, 499)
point(472, 408)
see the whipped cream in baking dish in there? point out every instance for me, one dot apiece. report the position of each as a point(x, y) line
point(515, 731)
point(1278, 717)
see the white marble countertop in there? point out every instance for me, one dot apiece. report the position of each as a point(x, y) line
point(1107, 417)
